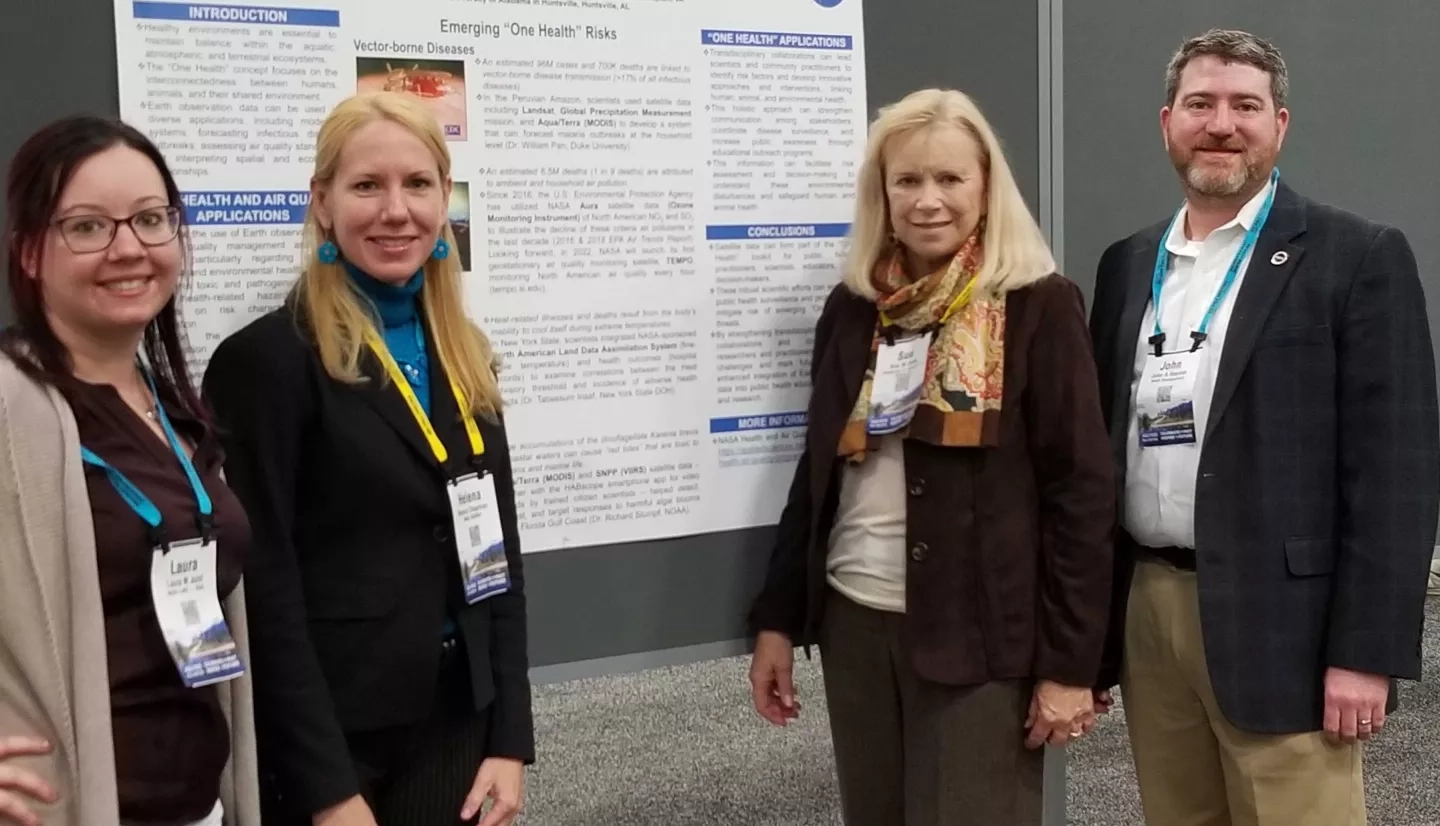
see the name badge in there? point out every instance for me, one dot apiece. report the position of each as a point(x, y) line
point(896, 387)
point(1165, 404)
point(184, 589)
point(479, 539)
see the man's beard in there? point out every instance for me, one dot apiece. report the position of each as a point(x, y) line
point(1214, 183)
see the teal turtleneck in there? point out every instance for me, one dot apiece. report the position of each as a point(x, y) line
point(398, 308)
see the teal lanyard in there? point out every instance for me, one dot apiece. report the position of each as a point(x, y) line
point(1162, 262)
point(136, 498)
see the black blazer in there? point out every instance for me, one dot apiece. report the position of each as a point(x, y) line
point(353, 565)
point(1319, 477)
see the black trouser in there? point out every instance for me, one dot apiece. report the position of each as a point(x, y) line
point(417, 775)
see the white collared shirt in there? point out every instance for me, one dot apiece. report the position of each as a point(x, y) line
point(1160, 481)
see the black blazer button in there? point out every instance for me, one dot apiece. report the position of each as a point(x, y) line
point(917, 486)
point(918, 551)
point(441, 534)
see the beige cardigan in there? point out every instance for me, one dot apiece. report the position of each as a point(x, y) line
point(53, 678)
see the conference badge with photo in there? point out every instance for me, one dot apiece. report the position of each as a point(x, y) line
point(184, 588)
point(479, 538)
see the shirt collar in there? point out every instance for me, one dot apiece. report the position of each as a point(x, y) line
point(1177, 243)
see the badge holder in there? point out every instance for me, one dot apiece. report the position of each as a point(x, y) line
point(479, 537)
point(898, 381)
point(183, 586)
point(1157, 342)
point(1165, 403)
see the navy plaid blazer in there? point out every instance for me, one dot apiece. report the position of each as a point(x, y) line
point(1319, 478)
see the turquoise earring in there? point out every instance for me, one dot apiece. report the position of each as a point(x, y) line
point(441, 251)
point(328, 253)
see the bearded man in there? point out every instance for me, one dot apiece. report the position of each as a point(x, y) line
point(1268, 378)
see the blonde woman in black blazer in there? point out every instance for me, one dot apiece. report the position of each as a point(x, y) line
point(385, 696)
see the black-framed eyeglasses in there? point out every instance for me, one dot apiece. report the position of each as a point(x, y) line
point(153, 226)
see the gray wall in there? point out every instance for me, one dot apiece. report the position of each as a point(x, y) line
point(1363, 130)
point(60, 57)
point(986, 49)
point(639, 604)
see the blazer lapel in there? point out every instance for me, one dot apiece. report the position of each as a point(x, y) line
point(391, 406)
point(1271, 264)
point(854, 340)
point(841, 372)
point(1140, 272)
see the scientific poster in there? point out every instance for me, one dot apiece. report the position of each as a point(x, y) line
point(651, 202)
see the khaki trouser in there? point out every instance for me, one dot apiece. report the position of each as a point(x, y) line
point(1194, 767)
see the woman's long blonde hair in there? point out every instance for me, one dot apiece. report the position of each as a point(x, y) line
point(337, 315)
point(1016, 253)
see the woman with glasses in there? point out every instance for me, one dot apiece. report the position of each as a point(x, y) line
point(124, 697)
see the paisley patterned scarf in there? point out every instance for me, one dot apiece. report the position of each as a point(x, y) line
point(965, 369)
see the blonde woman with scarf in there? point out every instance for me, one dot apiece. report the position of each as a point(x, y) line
point(946, 542)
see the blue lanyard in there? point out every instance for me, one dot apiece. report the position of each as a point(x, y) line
point(1162, 261)
point(136, 498)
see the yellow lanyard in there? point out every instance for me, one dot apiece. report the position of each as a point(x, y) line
point(960, 301)
point(477, 444)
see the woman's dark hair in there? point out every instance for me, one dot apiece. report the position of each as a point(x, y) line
point(37, 177)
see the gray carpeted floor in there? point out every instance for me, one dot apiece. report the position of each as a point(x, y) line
point(682, 747)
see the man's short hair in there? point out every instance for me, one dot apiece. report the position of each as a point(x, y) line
point(1232, 46)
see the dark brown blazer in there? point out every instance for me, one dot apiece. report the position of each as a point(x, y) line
point(1008, 570)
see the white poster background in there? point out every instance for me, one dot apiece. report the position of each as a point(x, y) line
point(651, 200)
